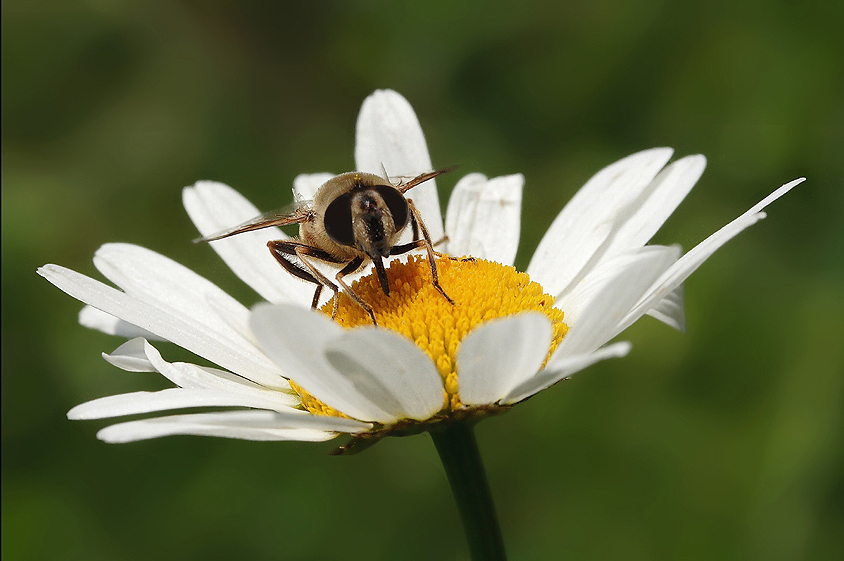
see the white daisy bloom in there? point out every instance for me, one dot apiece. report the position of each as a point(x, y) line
point(293, 373)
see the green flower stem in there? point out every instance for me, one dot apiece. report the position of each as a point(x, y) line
point(461, 459)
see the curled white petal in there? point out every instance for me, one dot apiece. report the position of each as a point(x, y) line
point(131, 356)
point(671, 310)
point(139, 355)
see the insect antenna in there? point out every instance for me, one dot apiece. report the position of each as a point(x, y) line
point(405, 187)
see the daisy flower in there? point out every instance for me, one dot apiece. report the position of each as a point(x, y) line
point(287, 372)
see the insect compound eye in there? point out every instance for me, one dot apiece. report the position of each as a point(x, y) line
point(396, 203)
point(338, 220)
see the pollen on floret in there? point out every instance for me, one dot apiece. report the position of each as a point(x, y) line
point(481, 290)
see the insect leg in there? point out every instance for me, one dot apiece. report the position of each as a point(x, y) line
point(415, 219)
point(444, 239)
point(317, 292)
point(285, 250)
point(351, 267)
point(440, 241)
point(414, 226)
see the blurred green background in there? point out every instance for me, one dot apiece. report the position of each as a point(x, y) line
point(726, 442)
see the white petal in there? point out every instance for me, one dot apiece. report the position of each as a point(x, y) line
point(175, 398)
point(169, 286)
point(322, 358)
point(634, 274)
point(671, 310)
point(306, 185)
point(584, 225)
point(247, 425)
point(390, 371)
point(296, 338)
point(163, 324)
point(642, 217)
point(500, 355)
point(563, 369)
point(110, 325)
point(636, 224)
point(138, 355)
point(131, 356)
point(686, 265)
point(575, 302)
point(460, 214)
point(483, 217)
point(213, 207)
point(390, 137)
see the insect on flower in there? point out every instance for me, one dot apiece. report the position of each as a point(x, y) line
point(355, 217)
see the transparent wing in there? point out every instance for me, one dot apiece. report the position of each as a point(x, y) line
point(296, 213)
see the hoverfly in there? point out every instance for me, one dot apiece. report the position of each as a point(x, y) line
point(355, 218)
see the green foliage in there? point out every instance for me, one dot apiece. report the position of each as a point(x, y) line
point(721, 443)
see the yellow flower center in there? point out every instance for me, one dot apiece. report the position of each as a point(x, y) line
point(482, 291)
